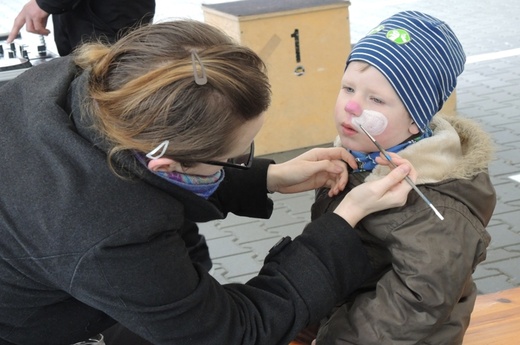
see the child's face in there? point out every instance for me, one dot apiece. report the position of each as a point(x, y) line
point(363, 87)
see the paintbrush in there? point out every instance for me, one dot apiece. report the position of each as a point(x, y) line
point(408, 179)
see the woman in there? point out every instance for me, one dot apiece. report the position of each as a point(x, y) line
point(112, 156)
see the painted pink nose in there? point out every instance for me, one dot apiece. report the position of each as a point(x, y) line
point(353, 108)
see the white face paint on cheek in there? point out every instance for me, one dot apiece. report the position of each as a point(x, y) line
point(372, 121)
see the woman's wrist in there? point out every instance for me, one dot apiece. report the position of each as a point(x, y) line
point(350, 212)
point(271, 178)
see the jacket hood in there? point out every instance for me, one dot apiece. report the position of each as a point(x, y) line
point(454, 162)
point(458, 149)
point(195, 208)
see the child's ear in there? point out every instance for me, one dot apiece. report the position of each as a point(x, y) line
point(413, 128)
point(163, 164)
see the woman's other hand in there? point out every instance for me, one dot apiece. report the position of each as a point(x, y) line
point(319, 167)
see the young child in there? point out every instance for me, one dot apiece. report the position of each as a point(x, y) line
point(421, 291)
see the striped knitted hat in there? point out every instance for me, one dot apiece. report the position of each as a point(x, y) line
point(420, 56)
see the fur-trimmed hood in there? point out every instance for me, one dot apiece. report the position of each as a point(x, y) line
point(458, 149)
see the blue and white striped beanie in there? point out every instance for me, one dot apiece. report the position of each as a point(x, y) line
point(420, 56)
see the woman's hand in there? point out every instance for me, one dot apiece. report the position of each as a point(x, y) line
point(319, 167)
point(388, 192)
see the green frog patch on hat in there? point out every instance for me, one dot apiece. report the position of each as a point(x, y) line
point(399, 36)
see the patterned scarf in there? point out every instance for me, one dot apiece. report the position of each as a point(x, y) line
point(367, 161)
point(203, 186)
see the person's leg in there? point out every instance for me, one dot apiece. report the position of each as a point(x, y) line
point(61, 37)
point(77, 26)
point(99, 21)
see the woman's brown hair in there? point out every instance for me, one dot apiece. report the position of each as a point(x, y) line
point(142, 89)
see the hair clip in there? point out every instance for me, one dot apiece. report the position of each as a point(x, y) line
point(161, 147)
point(202, 79)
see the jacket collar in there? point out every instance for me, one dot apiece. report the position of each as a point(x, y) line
point(458, 149)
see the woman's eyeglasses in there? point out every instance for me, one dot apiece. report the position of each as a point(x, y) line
point(243, 161)
point(240, 162)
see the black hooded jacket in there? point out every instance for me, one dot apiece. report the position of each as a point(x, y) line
point(82, 248)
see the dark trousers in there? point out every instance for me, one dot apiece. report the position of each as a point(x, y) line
point(99, 20)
